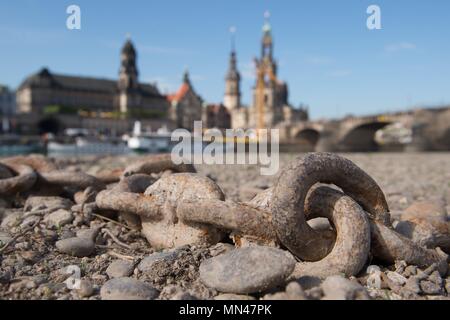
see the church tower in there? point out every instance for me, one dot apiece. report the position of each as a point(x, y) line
point(267, 109)
point(232, 98)
point(128, 78)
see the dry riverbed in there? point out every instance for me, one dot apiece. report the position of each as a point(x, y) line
point(116, 261)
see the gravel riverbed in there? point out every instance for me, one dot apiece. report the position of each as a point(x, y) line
point(68, 255)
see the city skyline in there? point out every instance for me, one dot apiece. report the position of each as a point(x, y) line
point(401, 66)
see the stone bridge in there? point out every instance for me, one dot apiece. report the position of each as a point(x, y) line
point(417, 130)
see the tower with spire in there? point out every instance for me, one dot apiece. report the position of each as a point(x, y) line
point(232, 98)
point(128, 84)
point(269, 94)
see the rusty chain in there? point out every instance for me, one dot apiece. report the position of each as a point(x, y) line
point(175, 206)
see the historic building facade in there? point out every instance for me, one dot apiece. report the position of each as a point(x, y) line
point(186, 106)
point(270, 106)
point(7, 101)
point(63, 96)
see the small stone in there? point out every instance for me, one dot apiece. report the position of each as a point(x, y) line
point(148, 262)
point(12, 218)
point(86, 289)
point(65, 234)
point(319, 224)
point(372, 268)
point(58, 218)
point(412, 284)
point(436, 278)
point(183, 296)
point(294, 291)
point(340, 288)
point(430, 288)
point(410, 271)
point(232, 296)
point(220, 248)
point(78, 247)
point(30, 256)
point(39, 203)
point(4, 238)
point(127, 289)
point(247, 270)
point(5, 277)
point(308, 282)
point(400, 266)
point(447, 285)
point(120, 269)
point(91, 233)
point(29, 221)
point(396, 278)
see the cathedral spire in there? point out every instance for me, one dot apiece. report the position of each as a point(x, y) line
point(267, 41)
point(233, 73)
point(232, 98)
point(186, 76)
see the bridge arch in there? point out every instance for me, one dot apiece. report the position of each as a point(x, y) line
point(362, 137)
point(307, 138)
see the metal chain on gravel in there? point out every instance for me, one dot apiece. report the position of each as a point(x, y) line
point(177, 207)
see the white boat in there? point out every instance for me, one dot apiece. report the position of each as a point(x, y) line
point(158, 141)
point(83, 146)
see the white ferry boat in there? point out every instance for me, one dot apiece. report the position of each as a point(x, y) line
point(158, 141)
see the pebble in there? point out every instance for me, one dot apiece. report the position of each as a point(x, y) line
point(5, 277)
point(294, 291)
point(127, 289)
point(396, 278)
point(247, 270)
point(340, 288)
point(86, 289)
point(29, 221)
point(308, 282)
point(78, 247)
point(39, 202)
point(12, 218)
point(447, 285)
point(412, 284)
point(91, 233)
point(220, 248)
point(120, 268)
point(58, 218)
point(4, 238)
point(65, 234)
point(148, 262)
point(232, 296)
point(319, 224)
point(431, 288)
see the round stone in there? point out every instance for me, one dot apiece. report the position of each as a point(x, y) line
point(340, 288)
point(148, 262)
point(78, 247)
point(86, 289)
point(120, 268)
point(127, 289)
point(247, 270)
point(58, 218)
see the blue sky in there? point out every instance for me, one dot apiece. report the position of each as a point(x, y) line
point(329, 58)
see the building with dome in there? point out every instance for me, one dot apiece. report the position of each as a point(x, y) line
point(96, 102)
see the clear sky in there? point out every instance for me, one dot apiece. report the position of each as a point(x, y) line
point(329, 58)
